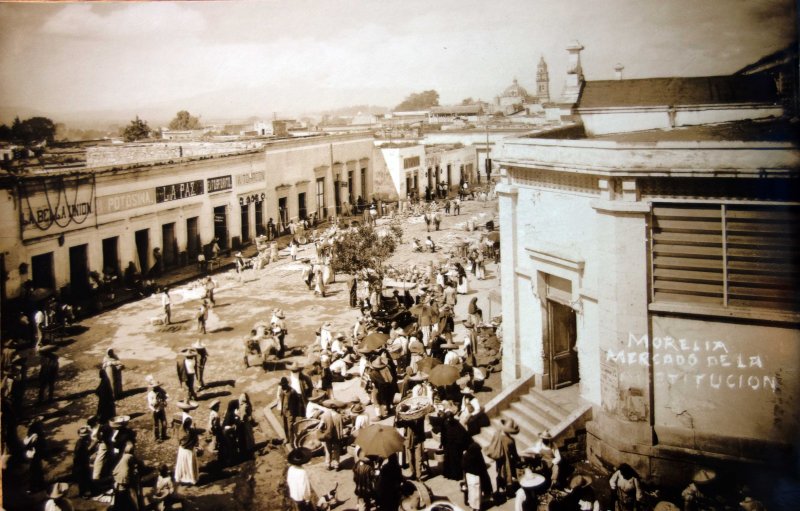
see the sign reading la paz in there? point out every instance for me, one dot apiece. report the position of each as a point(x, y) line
point(179, 191)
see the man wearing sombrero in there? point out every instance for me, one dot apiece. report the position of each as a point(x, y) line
point(157, 403)
point(290, 406)
point(297, 481)
point(503, 449)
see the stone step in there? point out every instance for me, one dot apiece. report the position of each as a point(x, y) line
point(532, 416)
point(548, 410)
point(551, 405)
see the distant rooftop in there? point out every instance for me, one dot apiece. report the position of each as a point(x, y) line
point(457, 109)
point(700, 90)
point(771, 130)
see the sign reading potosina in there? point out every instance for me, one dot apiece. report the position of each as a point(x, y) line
point(124, 201)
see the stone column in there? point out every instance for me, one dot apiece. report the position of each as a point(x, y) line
point(508, 199)
point(622, 429)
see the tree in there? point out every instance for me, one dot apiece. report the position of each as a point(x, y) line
point(364, 249)
point(136, 130)
point(30, 131)
point(419, 101)
point(467, 101)
point(184, 121)
point(6, 134)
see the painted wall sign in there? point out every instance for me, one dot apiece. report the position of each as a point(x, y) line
point(247, 178)
point(251, 198)
point(124, 201)
point(46, 215)
point(179, 191)
point(219, 184)
point(55, 204)
point(698, 363)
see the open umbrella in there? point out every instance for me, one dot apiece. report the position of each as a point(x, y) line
point(443, 375)
point(372, 342)
point(426, 364)
point(379, 440)
point(494, 236)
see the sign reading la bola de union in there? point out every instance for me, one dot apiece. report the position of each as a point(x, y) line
point(52, 209)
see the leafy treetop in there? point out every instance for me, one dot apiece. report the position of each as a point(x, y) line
point(419, 101)
point(184, 121)
point(136, 130)
point(365, 249)
point(30, 131)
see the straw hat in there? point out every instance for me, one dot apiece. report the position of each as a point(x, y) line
point(666, 506)
point(57, 490)
point(317, 395)
point(188, 352)
point(357, 408)
point(299, 456)
point(416, 347)
point(334, 403)
point(704, 475)
point(279, 314)
point(119, 421)
point(749, 504)
point(294, 367)
point(508, 426)
point(545, 435)
point(187, 406)
point(214, 404)
point(84, 431)
point(530, 479)
point(339, 335)
point(378, 363)
point(580, 481)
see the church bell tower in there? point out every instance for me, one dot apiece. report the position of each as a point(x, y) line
point(542, 81)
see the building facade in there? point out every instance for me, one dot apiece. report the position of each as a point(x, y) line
point(659, 275)
point(313, 177)
point(417, 170)
point(62, 225)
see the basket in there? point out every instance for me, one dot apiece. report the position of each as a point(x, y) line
point(414, 408)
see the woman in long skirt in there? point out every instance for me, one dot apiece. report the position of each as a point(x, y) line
point(106, 409)
point(113, 368)
point(319, 282)
point(230, 433)
point(186, 469)
point(463, 286)
point(244, 412)
point(475, 313)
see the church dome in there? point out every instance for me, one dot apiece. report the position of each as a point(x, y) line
point(515, 90)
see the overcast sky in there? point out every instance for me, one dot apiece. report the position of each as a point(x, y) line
point(235, 59)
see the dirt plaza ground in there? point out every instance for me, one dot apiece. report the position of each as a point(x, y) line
point(147, 349)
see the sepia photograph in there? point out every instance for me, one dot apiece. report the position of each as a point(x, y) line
point(400, 255)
